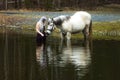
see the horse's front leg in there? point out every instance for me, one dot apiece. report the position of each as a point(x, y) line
point(62, 34)
point(68, 35)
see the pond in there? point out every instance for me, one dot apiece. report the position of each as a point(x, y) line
point(22, 59)
point(96, 16)
point(35, 16)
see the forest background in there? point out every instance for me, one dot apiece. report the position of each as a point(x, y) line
point(58, 5)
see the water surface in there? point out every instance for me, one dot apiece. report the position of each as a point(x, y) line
point(22, 59)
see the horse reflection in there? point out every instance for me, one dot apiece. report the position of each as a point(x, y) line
point(63, 59)
point(77, 55)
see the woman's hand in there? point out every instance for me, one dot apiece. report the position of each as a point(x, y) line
point(42, 34)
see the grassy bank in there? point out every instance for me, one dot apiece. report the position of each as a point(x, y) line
point(106, 30)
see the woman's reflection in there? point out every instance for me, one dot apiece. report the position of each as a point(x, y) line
point(42, 61)
point(39, 51)
point(41, 55)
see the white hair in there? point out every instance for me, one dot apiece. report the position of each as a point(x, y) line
point(43, 18)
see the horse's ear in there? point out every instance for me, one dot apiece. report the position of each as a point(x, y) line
point(53, 21)
point(49, 20)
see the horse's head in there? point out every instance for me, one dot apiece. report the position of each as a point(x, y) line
point(50, 27)
point(57, 21)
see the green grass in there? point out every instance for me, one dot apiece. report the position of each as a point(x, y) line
point(107, 29)
point(106, 26)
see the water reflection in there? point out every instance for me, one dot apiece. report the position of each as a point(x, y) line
point(42, 61)
point(57, 60)
point(76, 54)
point(16, 56)
point(63, 59)
point(39, 52)
point(41, 56)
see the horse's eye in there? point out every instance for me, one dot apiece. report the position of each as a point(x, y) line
point(48, 23)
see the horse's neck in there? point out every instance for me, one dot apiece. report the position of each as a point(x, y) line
point(59, 26)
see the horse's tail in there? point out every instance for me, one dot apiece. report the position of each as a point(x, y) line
point(90, 29)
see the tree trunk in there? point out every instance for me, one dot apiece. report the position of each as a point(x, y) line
point(20, 4)
point(16, 4)
point(6, 4)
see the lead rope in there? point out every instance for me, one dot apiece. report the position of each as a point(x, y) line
point(44, 30)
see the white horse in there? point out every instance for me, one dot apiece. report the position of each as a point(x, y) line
point(80, 21)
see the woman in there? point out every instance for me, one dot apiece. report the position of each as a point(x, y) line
point(40, 29)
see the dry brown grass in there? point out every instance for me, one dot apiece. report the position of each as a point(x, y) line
point(10, 20)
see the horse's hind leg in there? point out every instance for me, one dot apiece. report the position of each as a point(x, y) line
point(90, 29)
point(86, 32)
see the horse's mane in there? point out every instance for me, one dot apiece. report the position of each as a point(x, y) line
point(60, 19)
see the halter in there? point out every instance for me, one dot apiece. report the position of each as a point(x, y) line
point(49, 30)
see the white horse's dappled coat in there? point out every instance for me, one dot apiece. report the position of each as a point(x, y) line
point(77, 22)
point(80, 21)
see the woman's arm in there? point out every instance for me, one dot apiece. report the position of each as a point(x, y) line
point(38, 29)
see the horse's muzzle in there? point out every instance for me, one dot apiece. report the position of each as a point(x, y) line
point(47, 33)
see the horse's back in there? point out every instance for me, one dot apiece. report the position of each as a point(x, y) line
point(85, 16)
point(83, 13)
point(77, 22)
